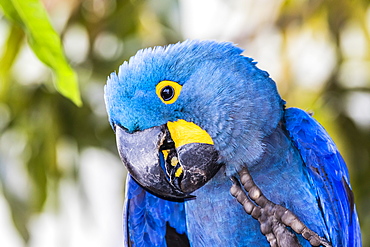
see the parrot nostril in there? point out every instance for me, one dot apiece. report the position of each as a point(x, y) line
point(129, 130)
point(115, 126)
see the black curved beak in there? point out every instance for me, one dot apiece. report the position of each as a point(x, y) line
point(161, 167)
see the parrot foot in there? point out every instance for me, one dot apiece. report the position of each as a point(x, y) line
point(274, 219)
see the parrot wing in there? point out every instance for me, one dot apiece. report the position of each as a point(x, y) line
point(328, 174)
point(151, 221)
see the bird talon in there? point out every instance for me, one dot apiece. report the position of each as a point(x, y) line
point(274, 219)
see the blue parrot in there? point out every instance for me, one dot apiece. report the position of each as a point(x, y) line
point(215, 159)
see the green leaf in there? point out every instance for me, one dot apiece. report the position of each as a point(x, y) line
point(9, 11)
point(10, 51)
point(45, 43)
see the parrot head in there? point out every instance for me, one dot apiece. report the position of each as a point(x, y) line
point(183, 111)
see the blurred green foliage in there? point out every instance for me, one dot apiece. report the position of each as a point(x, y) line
point(35, 121)
point(97, 37)
point(32, 17)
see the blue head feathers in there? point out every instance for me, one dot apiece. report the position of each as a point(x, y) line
point(222, 91)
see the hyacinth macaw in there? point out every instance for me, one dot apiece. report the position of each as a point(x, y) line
point(215, 159)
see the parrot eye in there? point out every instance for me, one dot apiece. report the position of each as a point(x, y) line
point(168, 91)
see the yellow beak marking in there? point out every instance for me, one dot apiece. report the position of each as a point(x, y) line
point(179, 171)
point(165, 153)
point(174, 161)
point(183, 132)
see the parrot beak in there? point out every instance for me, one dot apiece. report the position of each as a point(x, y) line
point(171, 160)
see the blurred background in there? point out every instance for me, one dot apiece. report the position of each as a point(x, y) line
point(61, 181)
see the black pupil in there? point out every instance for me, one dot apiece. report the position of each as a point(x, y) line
point(167, 93)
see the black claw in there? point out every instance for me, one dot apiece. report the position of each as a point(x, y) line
point(234, 180)
point(274, 219)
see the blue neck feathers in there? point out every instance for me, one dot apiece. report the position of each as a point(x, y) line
point(216, 214)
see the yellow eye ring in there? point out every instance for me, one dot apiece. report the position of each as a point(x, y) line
point(168, 91)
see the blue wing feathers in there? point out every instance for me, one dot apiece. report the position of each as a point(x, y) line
point(328, 173)
point(146, 217)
